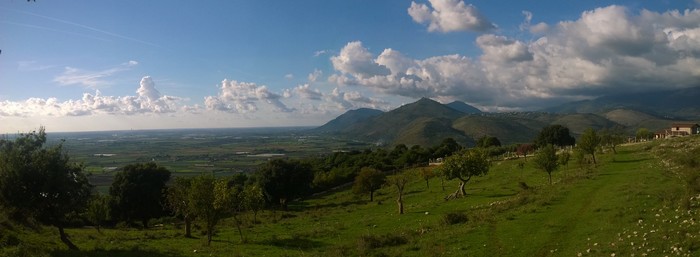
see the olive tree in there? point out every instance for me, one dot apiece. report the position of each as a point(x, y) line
point(368, 181)
point(546, 160)
point(179, 201)
point(463, 166)
point(138, 192)
point(589, 142)
point(399, 181)
point(284, 180)
point(41, 184)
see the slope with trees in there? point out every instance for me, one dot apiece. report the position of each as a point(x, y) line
point(40, 183)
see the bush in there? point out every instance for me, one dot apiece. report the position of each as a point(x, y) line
point(367, 242)
point(455, 218)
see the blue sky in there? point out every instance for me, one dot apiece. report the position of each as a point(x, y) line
point(110, 65)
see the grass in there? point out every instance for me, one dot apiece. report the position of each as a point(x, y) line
point(629, 204)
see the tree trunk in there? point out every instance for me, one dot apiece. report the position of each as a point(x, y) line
point(188, 227)
point(371, 195)
point(461, 188)
point(550, 178)
point(210, 231)
point(594, 162)
point(399, 201)
point(145, 223)
point(238, 226)
point(65, 239)
point(283, 203)
point(442, 182)
point(427, 183)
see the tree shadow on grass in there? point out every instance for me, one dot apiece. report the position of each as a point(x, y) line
point(114, 253)
point(632, 161)
point(293, 243)
point(336, 205)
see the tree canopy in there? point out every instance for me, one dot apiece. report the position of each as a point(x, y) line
point(284, 180)
point(138, 192)
point(589, 142)
point(546, 160)
point(178, 200)
point(555, 135)
point(612, 137)
point(41, 184)
point(488, 141)
point(464, 166)
point(368, 181)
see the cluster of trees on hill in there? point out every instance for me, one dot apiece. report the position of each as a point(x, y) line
point(39, 185)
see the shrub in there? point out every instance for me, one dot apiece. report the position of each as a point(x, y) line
point(367, 242)
point(455, 218)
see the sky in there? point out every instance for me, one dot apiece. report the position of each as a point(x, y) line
point(124, 64)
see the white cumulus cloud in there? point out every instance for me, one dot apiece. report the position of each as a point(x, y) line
point(449, 16)
point(243, 97)
point(606, 50)
point(148, 100)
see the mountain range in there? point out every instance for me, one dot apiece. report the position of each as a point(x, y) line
point(426, 122)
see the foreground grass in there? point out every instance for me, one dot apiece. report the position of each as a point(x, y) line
point(629, 204)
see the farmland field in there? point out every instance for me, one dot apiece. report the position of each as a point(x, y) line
point(191, 152)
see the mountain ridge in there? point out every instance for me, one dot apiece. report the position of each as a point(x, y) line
point(426, 122)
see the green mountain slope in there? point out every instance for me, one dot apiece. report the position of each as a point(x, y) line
point(508, 130)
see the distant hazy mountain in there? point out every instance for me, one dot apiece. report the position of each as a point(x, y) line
point(463, 107)
point(672, 104)
point(348, 119)
point(426, 122)
point(421, 123)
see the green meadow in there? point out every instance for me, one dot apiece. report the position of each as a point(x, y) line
point(636, 202)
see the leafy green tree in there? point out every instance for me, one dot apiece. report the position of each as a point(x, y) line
point(447, 147)
point(643, 134)
point(399, 181)
point(368, 181)
point(138, 192)
point(555, 135)
point(612, 137)
point(178, 201)
point(229, 196)
point(564, 158)
point(488, 141)
point(285, 180)
point(464, 166)
point(209, 200)
point(98, 210)
point(546, 160)
point(589, 142)
point(253, 199)
point(41, 184)
point(426, 174)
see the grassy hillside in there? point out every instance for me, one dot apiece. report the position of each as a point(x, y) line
point(508, 130)
point(579, 122)
point(631, 203)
